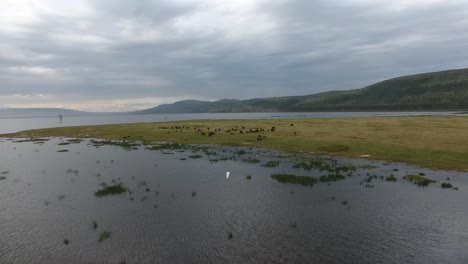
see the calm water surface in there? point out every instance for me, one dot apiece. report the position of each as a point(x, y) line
point(183, 211)
point(10, 125)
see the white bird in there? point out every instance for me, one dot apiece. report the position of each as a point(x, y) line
point(227, 175)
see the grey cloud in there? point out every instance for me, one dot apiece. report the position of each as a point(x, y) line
point(132, 50)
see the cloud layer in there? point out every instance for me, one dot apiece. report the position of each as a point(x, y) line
point(125, 55)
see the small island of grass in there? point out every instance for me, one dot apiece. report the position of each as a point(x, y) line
point(110, 190)
point(419, 180)
point(291, 178)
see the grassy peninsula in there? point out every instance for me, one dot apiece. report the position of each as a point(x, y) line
point(427, 141)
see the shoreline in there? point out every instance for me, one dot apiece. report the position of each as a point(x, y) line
point(436, 142)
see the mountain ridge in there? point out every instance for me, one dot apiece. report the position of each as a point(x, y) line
point(442, 90)
point(39, 112)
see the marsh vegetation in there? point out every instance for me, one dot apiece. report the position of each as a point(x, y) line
point(110, 190)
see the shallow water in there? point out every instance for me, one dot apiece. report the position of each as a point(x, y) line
point(48, 196)
point(10, 125)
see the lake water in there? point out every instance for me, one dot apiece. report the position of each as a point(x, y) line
point(181, 208)
point(9, 125)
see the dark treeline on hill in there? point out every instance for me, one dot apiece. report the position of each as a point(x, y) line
point(446, 90)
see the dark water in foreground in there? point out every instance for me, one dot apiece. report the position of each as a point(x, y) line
point(48, 196)
point(10, 125)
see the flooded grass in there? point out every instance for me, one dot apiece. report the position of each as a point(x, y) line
point(419, 180)
point(271, 164)
point(446, 185)
point(110, 190)
point(123, 144)
point(391, 178)
point(33, 140)
point(368, 167)
point(291, 178)
point(104, 235)
point(250, 160)
point(332, 178)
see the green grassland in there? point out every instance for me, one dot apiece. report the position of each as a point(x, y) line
point(428, 141)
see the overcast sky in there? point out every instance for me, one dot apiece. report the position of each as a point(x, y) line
point(110, 55)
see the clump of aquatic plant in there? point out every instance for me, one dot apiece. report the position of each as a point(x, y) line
point(332, 178)
point(291, 178)
point(446, 185)
point(124, 144)
point(104, 235)
point(250, 160)
point(95, 225)
point(419, 180)
point(391, 178)
point(62, 150)
point(2, 177)
point(322, 164)
point(66, 241)
point(344, 202)
point(271, 164)
point(368, 167)
point(33, 140)
point(249, 177)
point(230, 235)
point(173, 146)
point(241, 152)
point(345, 168)
point(194, 156)
point(4, 172)
point(110, 190)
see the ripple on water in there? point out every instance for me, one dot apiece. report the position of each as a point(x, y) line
point(269, 221)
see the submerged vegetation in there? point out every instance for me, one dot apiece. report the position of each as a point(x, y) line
point(419, 180)
point(110, 190)
point(271, 164)
point(104, 235)
point(446, 185)
point(291, 178)
point(120, 143)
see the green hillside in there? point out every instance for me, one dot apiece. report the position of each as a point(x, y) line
point(446, 90)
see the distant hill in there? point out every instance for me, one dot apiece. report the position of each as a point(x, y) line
point(38, 112)
point(445, 90)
